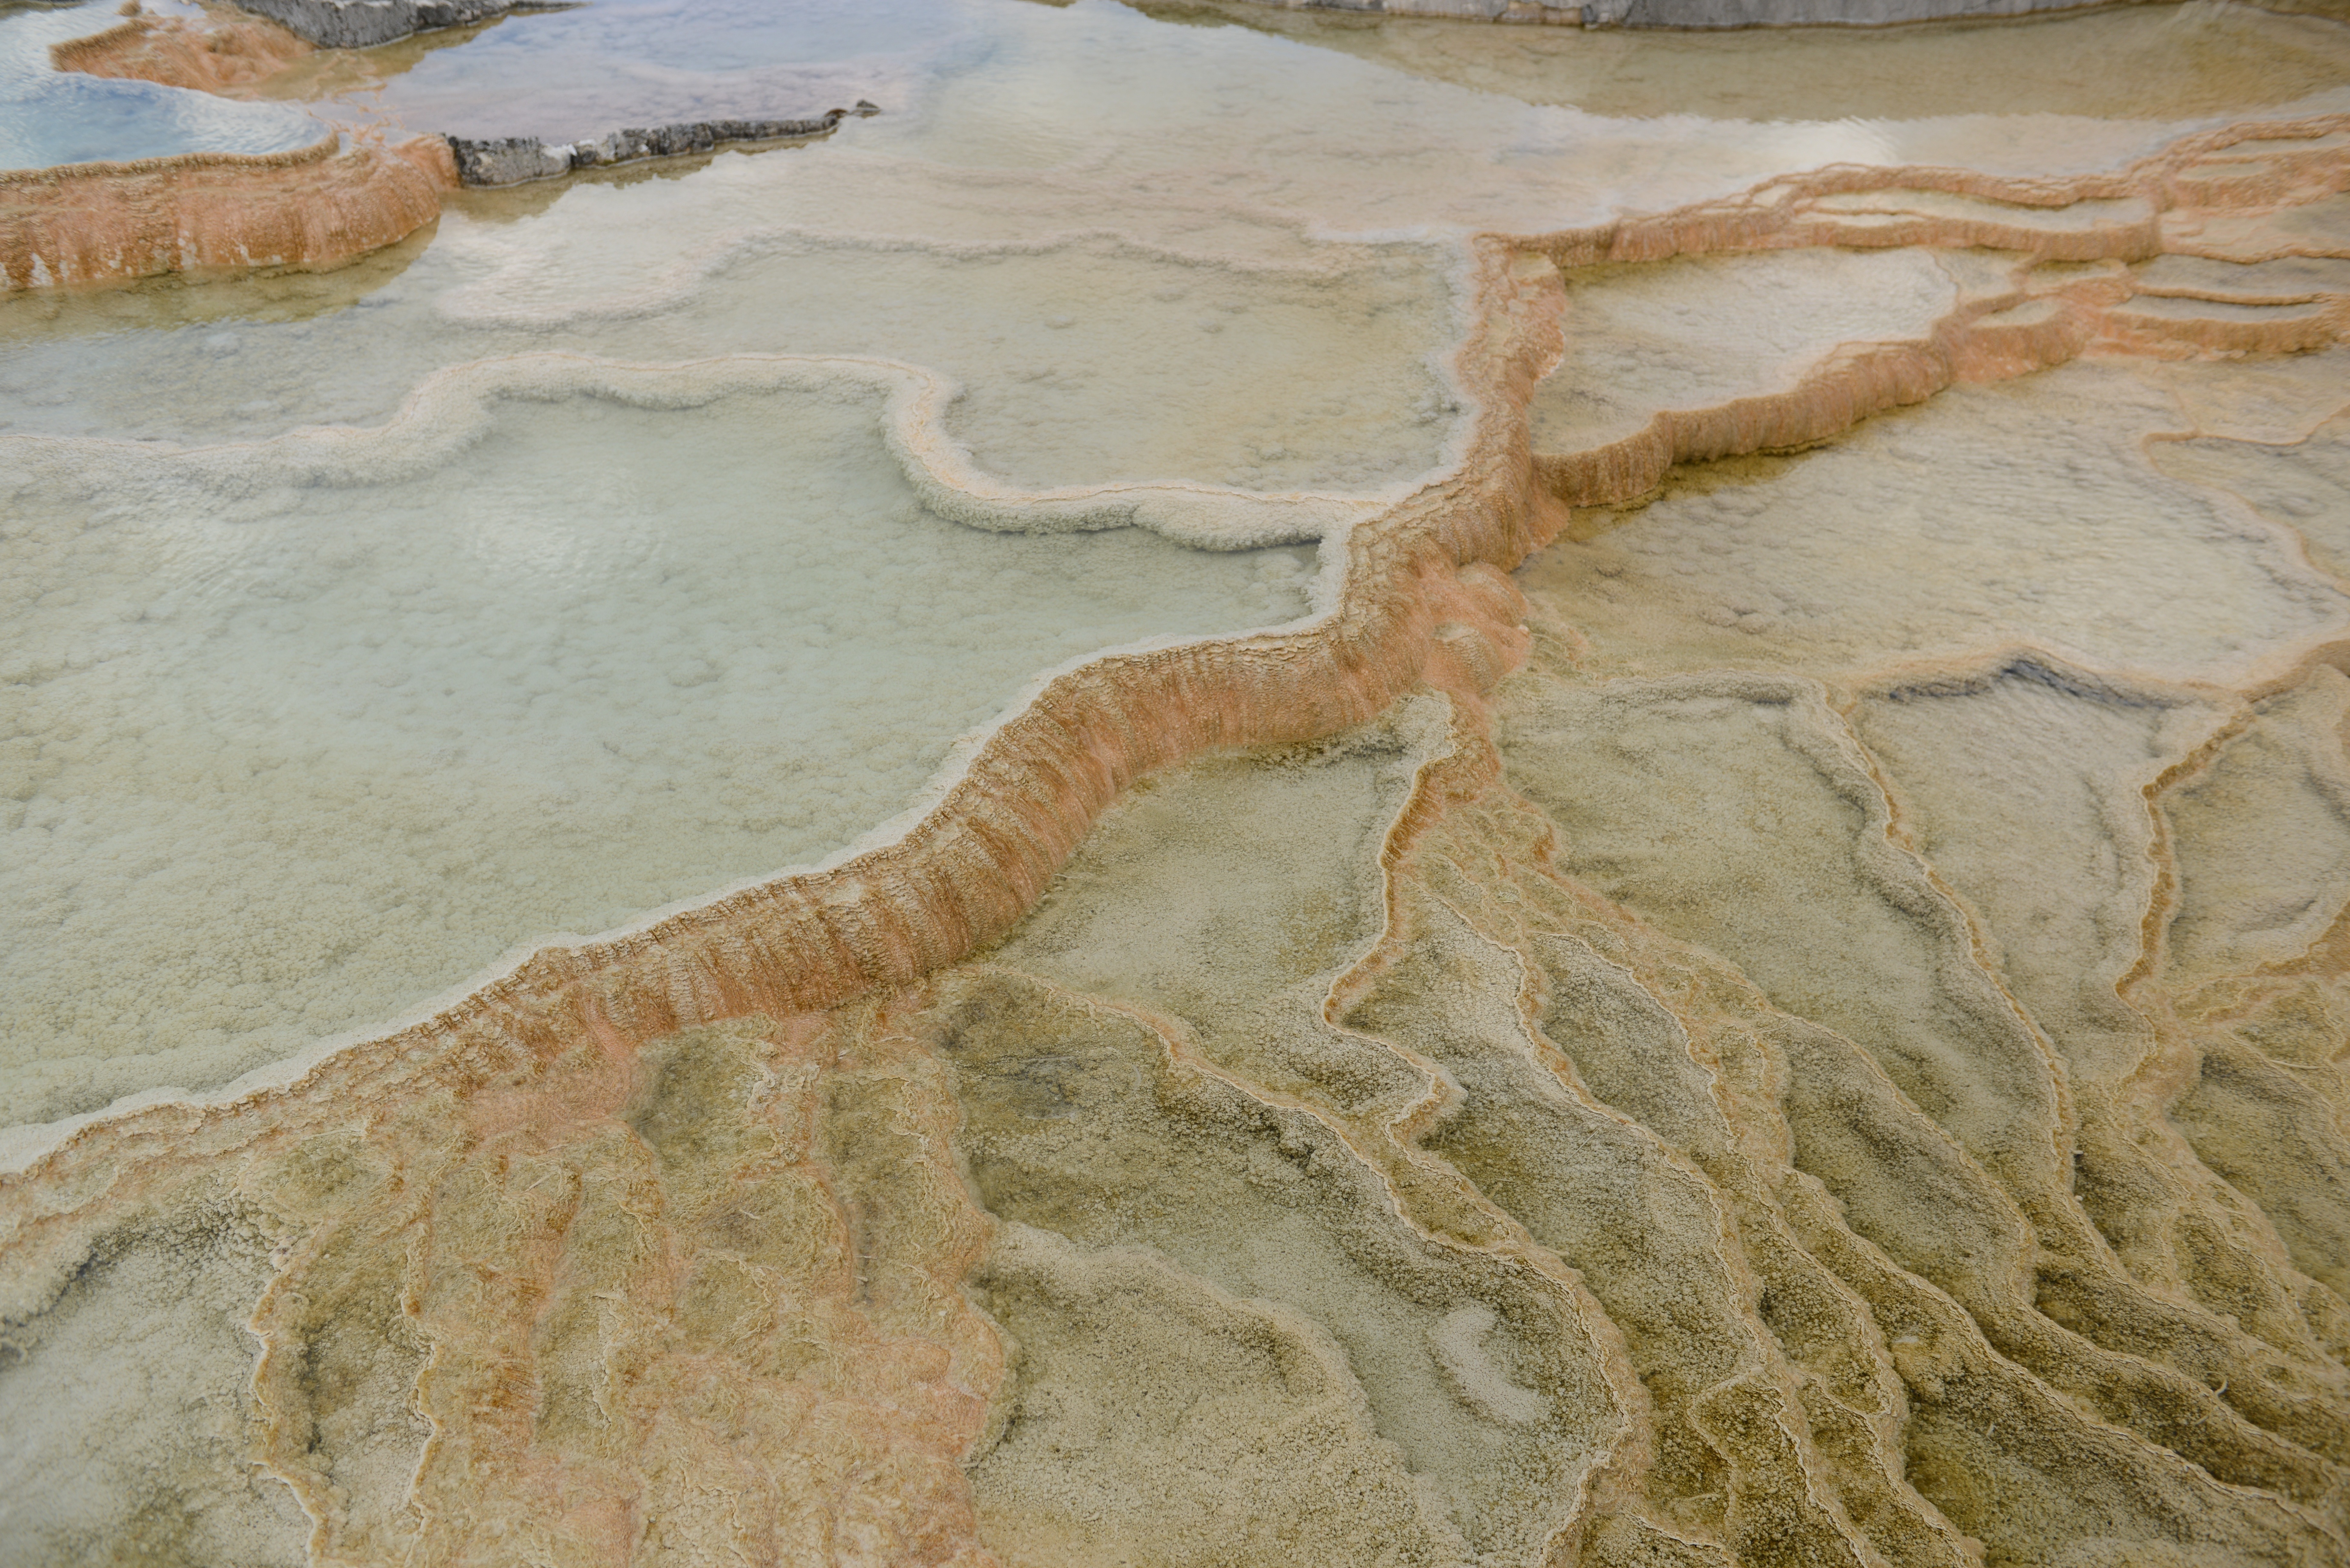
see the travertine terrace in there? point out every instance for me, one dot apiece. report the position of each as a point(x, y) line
point(98, 222)
point(1751, 970)
point(213, 207)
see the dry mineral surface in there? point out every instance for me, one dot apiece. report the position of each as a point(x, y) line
point(1258, 789)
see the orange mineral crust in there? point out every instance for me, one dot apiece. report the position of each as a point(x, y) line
point(312, 208)
point(316, 207)
point(2062, 284)
point(222, 53)
point(1473, 1079)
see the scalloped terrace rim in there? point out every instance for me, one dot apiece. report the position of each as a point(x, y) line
point(449, 408)
point(316, 206)
point(324, 146)
point(1422, 600)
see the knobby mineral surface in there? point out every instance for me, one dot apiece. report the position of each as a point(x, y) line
point(1514, 834)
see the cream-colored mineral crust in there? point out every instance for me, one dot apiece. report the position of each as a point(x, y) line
point(1755, 972)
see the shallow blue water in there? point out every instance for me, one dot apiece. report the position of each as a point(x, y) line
point(48, 115)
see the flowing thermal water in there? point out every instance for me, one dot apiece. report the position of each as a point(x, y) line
point(1258, 788)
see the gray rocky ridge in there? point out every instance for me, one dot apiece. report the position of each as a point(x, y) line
point(363, 23)
point(513, 159)
point(1696, 14)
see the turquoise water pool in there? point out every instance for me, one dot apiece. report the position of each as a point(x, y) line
point(49, 117)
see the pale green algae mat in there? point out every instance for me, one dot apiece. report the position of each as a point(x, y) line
point(1259, 788)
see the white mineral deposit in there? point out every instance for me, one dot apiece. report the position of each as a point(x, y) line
point(990, 784)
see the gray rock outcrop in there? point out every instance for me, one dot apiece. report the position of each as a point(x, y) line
point(513, 159)
point(1709, 14)
point(361, 24)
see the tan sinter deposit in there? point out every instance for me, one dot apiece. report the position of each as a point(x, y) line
point(1591, 1065)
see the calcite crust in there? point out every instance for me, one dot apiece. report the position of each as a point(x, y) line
point(1557, 1058)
